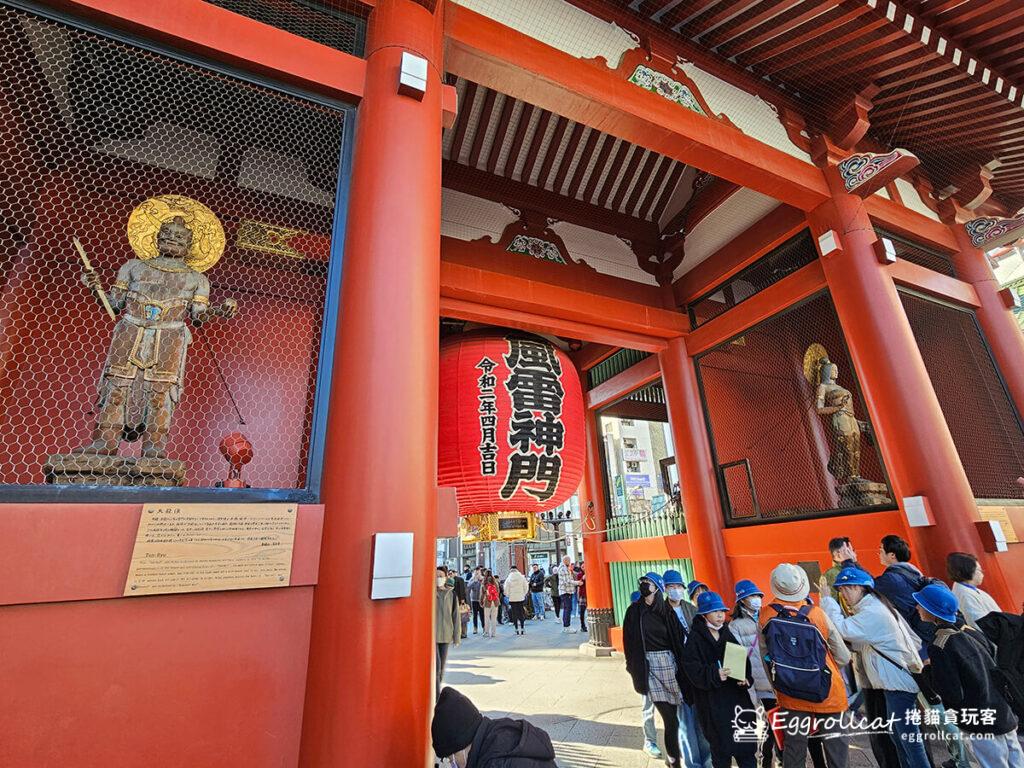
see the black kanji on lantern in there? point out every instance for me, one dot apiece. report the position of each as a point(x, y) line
point(488, 447)
point(536, 468)
point(536, 433)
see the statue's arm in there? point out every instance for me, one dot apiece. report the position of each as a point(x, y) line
point(202, 312)
point(118, 293)
point(820, 403)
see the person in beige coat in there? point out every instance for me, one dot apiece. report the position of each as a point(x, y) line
point(447, 624)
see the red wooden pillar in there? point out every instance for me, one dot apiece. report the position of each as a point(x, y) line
point(997, 322)
point(698, 479)
point(381, 451)
point(916, 443)
point(594, 515)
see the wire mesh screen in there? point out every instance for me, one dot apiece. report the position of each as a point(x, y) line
point(783, 402)
point(333, 23)
point(982, 420)
point(146, 159)
point(918, 254)
point(796, 252)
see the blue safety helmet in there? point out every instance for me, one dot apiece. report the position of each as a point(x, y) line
point(672, 577)
point(693, 586)
point(854, 577)
point(746, 588)
point(708, 602)
point(634, 597)
point(939, 601)
point(655, 579)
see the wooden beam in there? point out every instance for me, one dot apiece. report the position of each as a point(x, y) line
point(498, 57)
point(904, 221)
point(654, 548)
point(618, 386)
point(476, 294)
point(221, 35)
point(915, 276)
point(520, 195)
point(794, 288)
point(591, 354)
point(772, 230)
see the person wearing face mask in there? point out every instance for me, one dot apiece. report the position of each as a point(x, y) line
point(888, 649)
point(693, 746)
point(447, 626)
point(653, 641)
point(460, 733)
point(745, 629)
point(722, 702)
point(695, 589)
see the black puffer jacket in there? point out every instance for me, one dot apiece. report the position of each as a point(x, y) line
point(963, 672)
point(1006, 630)
point(507, 743)
point(633, 645)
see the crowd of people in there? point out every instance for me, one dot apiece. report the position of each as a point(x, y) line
point(901, 658)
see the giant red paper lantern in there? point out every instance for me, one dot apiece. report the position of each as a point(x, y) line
point(511, 434)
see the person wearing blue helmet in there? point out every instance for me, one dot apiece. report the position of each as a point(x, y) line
point(653, 640)
point(744, 627)
point(888, 651)
point(722, 702)
point(696, 751)
point(963, 672)
point(695, 588)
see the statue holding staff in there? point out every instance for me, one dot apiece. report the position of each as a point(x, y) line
point(176, 239)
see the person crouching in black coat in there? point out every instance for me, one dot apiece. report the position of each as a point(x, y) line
point(723, 704)
point(652, 638)
point(471, 740)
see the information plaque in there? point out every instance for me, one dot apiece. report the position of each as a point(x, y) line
point(211, 547)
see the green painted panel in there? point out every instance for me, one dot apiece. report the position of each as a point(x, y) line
point(625, 575)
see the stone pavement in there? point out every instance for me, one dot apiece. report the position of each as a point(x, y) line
point(586, 705)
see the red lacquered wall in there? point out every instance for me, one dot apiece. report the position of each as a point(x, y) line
point(94, 679)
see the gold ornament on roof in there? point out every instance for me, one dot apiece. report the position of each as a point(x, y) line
point(207, 233)
point(812, 362)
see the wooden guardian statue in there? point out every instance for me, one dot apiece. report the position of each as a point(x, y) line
point(175, 239)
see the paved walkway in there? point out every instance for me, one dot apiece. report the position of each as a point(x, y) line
point(586, 705)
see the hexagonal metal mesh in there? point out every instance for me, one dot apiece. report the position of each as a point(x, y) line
point(333, 23)
point(90, 127)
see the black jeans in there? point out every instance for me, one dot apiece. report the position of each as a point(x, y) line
point(557, 602)
point(583, 613)
point(882, 747)
point(442, 657)
point(478, 610)
point(670, 717)
point(518, 612)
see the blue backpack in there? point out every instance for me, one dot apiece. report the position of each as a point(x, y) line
point(797, 655)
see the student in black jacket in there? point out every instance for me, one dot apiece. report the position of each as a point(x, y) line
point(723, 704)
point(653, 639)
point(963, 673)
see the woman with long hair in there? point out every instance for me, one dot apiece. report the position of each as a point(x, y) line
point(653, 641)
point(490, 599)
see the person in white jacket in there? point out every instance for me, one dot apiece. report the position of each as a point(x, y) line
point(517, 588)
point(965, 572)
point(888, 648)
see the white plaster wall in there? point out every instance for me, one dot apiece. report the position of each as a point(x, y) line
point(751, 114)
point(465, 217)
point(560, 25)
point(913, 201)
point(726, 222)
point(605, 253)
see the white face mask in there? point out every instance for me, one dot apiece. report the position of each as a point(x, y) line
point(675, 593)
point(717, 626)
point(754, 603)
point(441, 581)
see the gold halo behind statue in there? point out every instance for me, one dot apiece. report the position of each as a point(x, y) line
point(812, 363)
point(207, 233)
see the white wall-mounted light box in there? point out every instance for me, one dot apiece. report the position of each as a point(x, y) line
point(392, 566)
